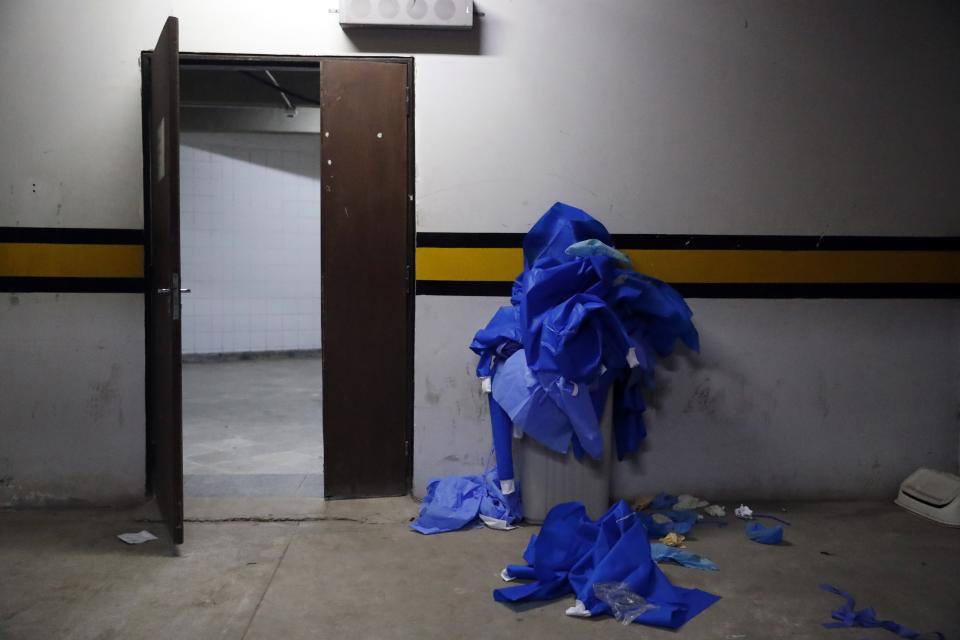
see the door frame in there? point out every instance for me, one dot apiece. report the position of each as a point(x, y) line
point(200, 60)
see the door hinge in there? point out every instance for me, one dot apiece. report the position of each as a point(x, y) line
point(409, 279)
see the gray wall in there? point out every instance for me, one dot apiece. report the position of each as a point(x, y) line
point(787, 399)
point(71, 379)
point(692, 116)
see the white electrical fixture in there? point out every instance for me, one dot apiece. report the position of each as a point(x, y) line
point(424, 14)
point(932, 494)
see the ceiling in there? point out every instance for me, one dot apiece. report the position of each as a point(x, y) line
point(248, 86)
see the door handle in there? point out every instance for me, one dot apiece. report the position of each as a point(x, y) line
point(164, 290)
point(184, 290)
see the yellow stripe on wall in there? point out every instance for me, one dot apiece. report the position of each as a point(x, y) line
point(715, 266)
point(41, 260)
point(462, 264)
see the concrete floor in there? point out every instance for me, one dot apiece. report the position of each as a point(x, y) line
point(361, 574)
point(253, 428)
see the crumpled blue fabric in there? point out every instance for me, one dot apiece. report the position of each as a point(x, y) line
point(764, 535)
point(680, 522)
point(553, 412)
point(662, 501)
point(662, 553)
point(499, 339)
point(848, 616)
point(593, 247)
point(456, 502)
point(584, 324)
point(546, 243)
point(572, 553)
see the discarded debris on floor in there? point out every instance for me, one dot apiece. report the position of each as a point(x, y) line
point(468, 501)
point(137, 538)
point(686, 502)
point(847, 616)
point(673, 539)
point(625, 605)
point(572, 553)
point(757, 532)
point(663, 553)
point(716, 511)
point(743, 512)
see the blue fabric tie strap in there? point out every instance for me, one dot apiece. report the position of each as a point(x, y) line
point(502, 439)
point(765, 515)
point(848, 616)
point(764, 535)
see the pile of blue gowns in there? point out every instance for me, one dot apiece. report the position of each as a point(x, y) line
point(572, 553)
point(581, 321)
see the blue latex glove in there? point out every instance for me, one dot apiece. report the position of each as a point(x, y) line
point(662, 553)
point(764, 535)
point(593, 247)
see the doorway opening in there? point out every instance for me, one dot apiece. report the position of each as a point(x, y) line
point(250, 250)
point(366, 275)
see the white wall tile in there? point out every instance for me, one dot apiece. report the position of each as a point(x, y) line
point(250, 241)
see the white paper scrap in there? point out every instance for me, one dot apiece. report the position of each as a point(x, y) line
point(137, 538)
point(743, 512)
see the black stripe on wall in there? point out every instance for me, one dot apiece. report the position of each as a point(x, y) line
point(53, 235)
point(71, 285)
point(470, 240)
point(680, 241)
point(712, 290)
point(460, 288)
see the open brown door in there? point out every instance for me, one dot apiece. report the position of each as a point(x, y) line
point(367, 243)
point(164, 419)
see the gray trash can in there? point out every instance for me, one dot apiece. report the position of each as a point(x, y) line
point(548, 478)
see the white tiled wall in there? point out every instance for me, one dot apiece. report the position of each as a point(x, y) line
point(250, 241)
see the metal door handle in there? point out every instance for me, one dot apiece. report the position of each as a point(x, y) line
point(164, 290)
point(184, 290)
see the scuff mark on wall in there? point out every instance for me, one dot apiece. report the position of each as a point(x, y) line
point(430, 395)
point(721, 396)
point(823, 401)
point(104, 394)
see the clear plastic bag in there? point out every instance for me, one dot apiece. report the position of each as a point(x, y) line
point(625, 605)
